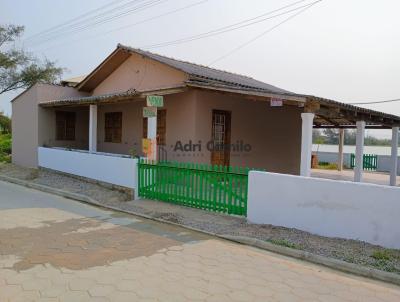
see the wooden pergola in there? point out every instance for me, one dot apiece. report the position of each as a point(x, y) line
point(333, 114)
point(321, 113)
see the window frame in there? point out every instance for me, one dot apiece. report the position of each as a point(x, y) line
point(65, 125)
point(113, 127)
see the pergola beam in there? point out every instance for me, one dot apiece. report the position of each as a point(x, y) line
point(340, 153)
point(321, 126)
point(394, 156)
point(358, 169)
point(331, 111)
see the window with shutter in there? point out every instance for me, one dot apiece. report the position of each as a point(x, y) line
point(65, 125)
point(113, 127)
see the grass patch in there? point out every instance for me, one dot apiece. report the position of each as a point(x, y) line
point(382, 255)
point(384, 260)
point(285, 243)
point(5, 148)
point(327, 166)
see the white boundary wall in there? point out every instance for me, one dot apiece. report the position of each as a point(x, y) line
point(325, 207)
point(110, 168)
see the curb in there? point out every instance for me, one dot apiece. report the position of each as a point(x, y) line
point(285, 251)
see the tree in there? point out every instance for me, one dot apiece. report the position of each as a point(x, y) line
point(5, 123)
point(331, 136)
point(350, 136)
point(20, 69)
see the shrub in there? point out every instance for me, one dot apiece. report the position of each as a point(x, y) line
point(5, 143)
point(381, 255)
point(5, 158)
point(5, 148)
point(284, 242)
point(327, 166)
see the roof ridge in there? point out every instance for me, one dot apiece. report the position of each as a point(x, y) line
point(183, 61)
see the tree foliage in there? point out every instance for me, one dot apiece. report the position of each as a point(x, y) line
point(20, 69)
point(331, 137)
point(5, 123)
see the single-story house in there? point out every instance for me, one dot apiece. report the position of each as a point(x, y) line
point(265, 126)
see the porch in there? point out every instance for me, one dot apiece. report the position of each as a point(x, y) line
point(277, 130)
point(254, 133)
point(93, 124)
point(322, 113)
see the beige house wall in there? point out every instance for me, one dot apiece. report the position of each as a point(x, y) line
point(180, 111)
point(274, 133)
point(25, 128)
point(131, 127)
point(30, 123)
point(140, 73)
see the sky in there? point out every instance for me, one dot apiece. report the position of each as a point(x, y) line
point(346, 50)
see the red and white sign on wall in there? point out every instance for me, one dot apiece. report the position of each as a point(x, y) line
point(276, 102)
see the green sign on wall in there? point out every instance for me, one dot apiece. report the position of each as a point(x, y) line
point(149, 111)
point(155, 100)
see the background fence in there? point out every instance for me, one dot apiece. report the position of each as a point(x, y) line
point(384, 162)
point(213, 188)
point(370, 161)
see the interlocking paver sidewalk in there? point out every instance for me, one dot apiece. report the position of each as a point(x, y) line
point(68, 251)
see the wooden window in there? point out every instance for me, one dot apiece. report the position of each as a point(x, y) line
point(65, 125)
point(113, 127)
point(161, 127)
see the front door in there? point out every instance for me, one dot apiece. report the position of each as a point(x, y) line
point(221, 137)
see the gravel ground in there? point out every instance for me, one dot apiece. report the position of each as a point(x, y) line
point(353, 251)
point(61, 181)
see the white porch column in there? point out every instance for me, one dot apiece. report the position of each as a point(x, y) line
point(92, 128)
point(358, 169)
point(306, 143)
point(395, 148)
point(340, 154)
point(152, 134)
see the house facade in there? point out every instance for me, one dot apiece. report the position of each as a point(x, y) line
point(264, 126)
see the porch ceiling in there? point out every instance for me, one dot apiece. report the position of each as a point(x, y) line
point(333, 114)
point(328, 113)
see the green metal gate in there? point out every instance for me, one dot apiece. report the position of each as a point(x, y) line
point(213, 188)
point(370, 161)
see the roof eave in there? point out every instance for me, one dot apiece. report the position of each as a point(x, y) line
point(249, 91)
point(113, 98)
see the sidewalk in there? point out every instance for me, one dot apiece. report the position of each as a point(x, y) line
point(350, 251)
point(56, 249)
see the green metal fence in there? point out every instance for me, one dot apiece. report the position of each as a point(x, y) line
point(370, 161)
point(213, 188)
